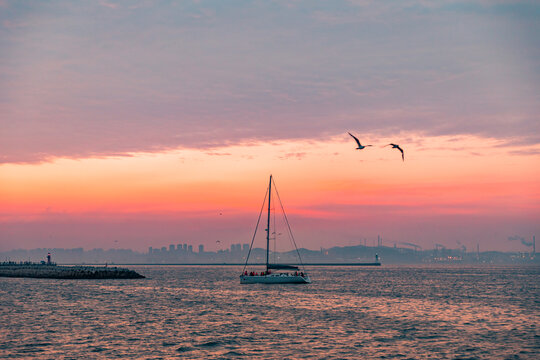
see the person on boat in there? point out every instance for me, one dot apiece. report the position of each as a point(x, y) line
point(245, 272)
point(302, 274)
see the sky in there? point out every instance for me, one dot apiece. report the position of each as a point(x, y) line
point(129, 124)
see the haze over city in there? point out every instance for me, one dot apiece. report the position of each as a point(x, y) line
point(134, 124)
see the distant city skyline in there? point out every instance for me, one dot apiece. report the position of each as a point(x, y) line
point(129, 124)
point(237, 254)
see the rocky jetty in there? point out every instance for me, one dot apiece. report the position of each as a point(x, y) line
point(66, 272)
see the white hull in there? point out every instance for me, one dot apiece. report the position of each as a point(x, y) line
point(275, 279)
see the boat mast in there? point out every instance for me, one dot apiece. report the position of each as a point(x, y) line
point(268, 223)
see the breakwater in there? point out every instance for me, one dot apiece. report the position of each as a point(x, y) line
point(66, 272)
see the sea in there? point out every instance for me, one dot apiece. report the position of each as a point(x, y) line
point(203, 312)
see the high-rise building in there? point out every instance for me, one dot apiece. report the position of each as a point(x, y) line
point(179, 247)
point(245, 247)
point(190, 248)
point(201, 249)
point(171, 248)
point(150, 250)
point(185, 247)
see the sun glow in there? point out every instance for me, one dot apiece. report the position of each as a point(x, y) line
point(438, 174)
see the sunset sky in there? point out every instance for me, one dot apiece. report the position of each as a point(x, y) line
point(128, 124)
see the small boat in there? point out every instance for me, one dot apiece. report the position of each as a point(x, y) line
point(274, 273)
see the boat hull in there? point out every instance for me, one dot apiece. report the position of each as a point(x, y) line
point(275, 279)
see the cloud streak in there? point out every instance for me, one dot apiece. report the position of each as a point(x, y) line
point(112, 78)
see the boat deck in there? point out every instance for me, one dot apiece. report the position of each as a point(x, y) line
point(280, 278)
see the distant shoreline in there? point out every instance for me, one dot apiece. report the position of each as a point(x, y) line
point(448, 264)
point(336, 256)
point(218, 264)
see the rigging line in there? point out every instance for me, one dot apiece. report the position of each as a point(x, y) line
point(289, 231)
point(255, 233)
point(275, 235)
point(288, 226)
point(289, 234)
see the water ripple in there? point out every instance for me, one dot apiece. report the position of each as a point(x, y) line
point(203, 312)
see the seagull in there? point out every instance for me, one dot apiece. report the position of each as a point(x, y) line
point(394, 146)
point(360, 146)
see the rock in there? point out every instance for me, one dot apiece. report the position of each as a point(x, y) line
point(66, 272)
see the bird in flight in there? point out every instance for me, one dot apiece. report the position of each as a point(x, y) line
point(360, 146)
point(394, 146)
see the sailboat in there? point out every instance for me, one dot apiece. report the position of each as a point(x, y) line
point(275, 273)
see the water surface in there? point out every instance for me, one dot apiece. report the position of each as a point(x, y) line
point(203, 312)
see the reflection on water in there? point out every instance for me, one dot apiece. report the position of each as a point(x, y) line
point(203, 312)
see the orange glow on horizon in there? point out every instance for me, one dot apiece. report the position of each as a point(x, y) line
point(433, 178)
